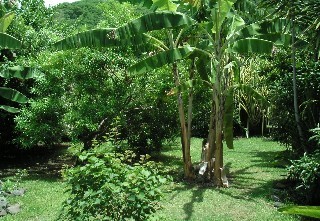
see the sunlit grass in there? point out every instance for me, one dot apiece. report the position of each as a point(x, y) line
point(252, 173)
point(41, 202)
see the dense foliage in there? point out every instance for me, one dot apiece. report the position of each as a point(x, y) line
point(279, 80)
point(305, 173)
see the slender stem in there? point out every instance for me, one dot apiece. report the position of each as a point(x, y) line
point(178, 37)
point(294, 80)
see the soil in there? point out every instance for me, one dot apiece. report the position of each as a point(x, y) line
point(39, 161)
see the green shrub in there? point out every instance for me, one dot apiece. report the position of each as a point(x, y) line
point(106, 186)
point(305, 172)
point(281, 116)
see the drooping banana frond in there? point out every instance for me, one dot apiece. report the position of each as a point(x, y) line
point(161, 59)
point(252, 45)
point(129, 34)
point(152, 22)
point(13, 95)
point(9, 109)
point(7, 41)
point(20, 72)
point(5, 21)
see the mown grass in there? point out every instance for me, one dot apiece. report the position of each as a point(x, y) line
point(252, 174)
point(41, 202)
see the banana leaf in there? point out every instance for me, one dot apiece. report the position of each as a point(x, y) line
point(7, 41)
point(160, 59)
point(153, 21)
point(131, 33)
point(9, 109)
point(20, 72)
point(91, 38)
point(5, 21)
point(13, 95)
point(252, 45)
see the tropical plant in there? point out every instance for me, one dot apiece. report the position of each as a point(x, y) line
point(305, 172)
point(304, 22)
point(9, 42)
point(111, 186)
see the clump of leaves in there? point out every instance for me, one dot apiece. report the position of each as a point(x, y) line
point(109, 185)
point(305, 172)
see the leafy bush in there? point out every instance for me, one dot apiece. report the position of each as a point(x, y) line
point(279, 81)
point(107, 186)
point(305, 172)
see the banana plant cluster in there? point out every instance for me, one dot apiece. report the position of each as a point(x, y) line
point(212, 46)
point(9, 42)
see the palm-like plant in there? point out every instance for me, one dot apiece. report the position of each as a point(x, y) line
point(9, 42)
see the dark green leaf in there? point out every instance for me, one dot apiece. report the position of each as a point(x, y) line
point(20, 72)
point(252, 45)
point(13, 95)
point(9, 109)
point(160, 59)
point(7, 41)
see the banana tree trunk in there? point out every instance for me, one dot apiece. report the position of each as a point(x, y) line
point(218, 153)
point(209, 157)
point(185, 145)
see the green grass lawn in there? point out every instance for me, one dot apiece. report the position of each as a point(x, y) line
point(249, 197)
point(251, 178)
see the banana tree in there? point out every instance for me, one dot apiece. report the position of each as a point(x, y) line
point(228, 36)
point(9, 42)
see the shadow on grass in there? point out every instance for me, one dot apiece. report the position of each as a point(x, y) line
point(197, 197)
point(250, 181)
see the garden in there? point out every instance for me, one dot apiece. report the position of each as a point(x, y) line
point(160, 110)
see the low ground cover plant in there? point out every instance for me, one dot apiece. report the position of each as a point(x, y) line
point(108, 185)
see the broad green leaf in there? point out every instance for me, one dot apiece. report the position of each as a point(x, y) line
point(252, 45)
point(165, 5)
point(310, 211)
point(7, 41)
point(91, 38)
point(153, 21)
point(5, 21)
point(228, 119)
point(219, 13)
point(160, 59)
point(129, 34)
point(277, 38)
point(13, 95)
point(266, 27)
point(20, 72)
point(9, 109)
